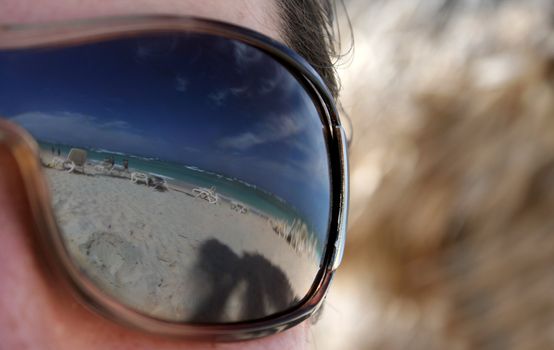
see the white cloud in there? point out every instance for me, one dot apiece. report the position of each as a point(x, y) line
point(219, 97)
point(82, 130)
point(116, 124)
point(241, 141)
point(156, 48)
point(245, 54)
point(272, 130)
point(268, 85)
point(181, 84)
point(190, 149)
point(281, 82)
point(239, 91)
point(298, 132)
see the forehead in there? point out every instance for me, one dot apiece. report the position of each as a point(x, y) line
point(260, 15)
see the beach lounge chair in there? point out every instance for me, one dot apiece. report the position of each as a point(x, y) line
point(238, 207)
point(104, 167)
point(138, 177)
point(207, 194)
point(56, 163)
point(76, 160)
point(120, 171)
point(158, 183)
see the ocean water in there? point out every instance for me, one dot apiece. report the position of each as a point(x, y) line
point(236, 189)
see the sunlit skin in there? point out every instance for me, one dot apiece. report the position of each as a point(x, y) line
point(35, 311)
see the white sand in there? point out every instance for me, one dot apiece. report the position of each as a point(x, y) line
point(143, 245)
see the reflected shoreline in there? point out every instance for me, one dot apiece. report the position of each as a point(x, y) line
point(284, 218)
point(143, 246)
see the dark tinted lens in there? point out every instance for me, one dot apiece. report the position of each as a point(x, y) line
point(189, 173)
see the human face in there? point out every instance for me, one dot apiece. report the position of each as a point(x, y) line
point(36, 313)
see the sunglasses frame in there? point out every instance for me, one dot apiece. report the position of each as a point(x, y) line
point(25, 152)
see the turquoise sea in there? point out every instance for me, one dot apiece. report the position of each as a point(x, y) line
point(252, 196)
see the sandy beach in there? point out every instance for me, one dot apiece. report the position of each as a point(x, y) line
point(175, 256)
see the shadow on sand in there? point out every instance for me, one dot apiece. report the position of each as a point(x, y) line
point(236, 288)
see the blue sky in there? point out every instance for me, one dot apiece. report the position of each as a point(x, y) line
point(197, 100)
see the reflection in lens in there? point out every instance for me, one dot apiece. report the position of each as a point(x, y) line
point(189, 174)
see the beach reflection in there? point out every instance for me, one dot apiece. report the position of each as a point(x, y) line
point(165, 148)
point(177, 250)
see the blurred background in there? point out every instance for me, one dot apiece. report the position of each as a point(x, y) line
point(450, 104)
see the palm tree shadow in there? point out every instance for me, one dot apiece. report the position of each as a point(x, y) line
point(220, 272)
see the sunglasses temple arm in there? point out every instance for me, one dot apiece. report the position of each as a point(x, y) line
point(343, 200)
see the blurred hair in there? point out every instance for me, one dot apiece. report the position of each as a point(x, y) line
point(309, 29)
point(458, 233)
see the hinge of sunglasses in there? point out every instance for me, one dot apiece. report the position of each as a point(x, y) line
point(343, 201)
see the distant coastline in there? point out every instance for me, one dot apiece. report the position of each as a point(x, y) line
point(188, 176)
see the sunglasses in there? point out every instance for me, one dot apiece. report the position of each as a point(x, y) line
point(186, 177)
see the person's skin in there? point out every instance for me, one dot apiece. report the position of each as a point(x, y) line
point(34, 311)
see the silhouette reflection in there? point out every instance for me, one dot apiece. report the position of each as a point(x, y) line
point(238, 287)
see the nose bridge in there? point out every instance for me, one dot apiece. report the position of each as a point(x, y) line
point(25, 208)
point(14, 211)
point(18, 264)
point(24, 267)
point(19, 171)
point(10, 181)
point(12, 191)
point(18, 150)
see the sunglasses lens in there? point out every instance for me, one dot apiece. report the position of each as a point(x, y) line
point(189, 173)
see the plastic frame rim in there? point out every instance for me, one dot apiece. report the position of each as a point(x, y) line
point(25, 151)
